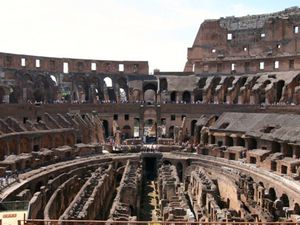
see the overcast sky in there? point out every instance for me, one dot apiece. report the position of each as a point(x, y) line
point(159, 31)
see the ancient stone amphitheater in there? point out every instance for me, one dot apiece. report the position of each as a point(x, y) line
point(84, 139)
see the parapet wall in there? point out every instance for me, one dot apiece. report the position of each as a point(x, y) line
point(68, 65)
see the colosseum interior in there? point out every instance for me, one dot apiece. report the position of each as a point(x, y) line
point(105, 140)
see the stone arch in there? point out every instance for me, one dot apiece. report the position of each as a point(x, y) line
point(296, 209)
point(4, 151)
point(38, 95)
point(123, 89)
point(229, 141)
point(285, 200)
point(126, 132)
point(179, 168)
point(173, 96)
point(136, 95)
point(198, 96)
point(2, 93)
point(70, 140)
point(252, 143)
point(272, 194)
point(12, 145)
point(276, 147)
point(163, 84)
point(46, 141)
point(58, 140)
point(38, 186)
point(214, 83)
point(202, 82)
point(15, 94)
point(171, 131)
point(240, 141)
point(186, 97)
point(167, 162)
point(204, 138)
point(106, 128)
point(279, 89)
point(25, 145)
point(193, 127)
point(108, 82)
point(150, 90)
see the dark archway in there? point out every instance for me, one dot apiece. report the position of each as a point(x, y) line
point(179, 168)
point(171, 132)
point(276, 147)
point(106, 128)
point(163, 84)
point(193, 127)
point(272, 194)
point(279, 88)
point(150, 90)
point(285, 200)
point(126, 132)
point(186, 97)
point(173, 96)
point(2, 94)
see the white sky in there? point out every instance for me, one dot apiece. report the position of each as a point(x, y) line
point(159, 31)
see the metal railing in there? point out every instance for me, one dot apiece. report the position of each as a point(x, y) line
point(100, 222)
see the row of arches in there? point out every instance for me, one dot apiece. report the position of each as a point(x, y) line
point(16, 145)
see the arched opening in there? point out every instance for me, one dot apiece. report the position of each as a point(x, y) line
point(279, 88)
point(108, 81)
point(240, 141)
point(106, 128)
point(36, 148)
point(14, 95)
point(25, 145)
point(58, 140)
point(136, 128)
point(38, 186)
point(297, 209)
point(2, 94)
point(150, 90)
point(123, 95)
point(123, 89)
point(150, 130)
point(150, 125)
point(202, 82)
point(186, 97)
point(13, 147)
point(272, 194)
point(3, 150)
point(53, 78)
point(205, 138)
point(167, 162)
point(198, 96)
point(179, 168)
point(276, 147)
point(252, 143)
point(70, 140)
point(126, 132)
point(163, 84)
point(150, 96)
point(171, 132)
point(38, 95)
point(229, 141)
point(136, 95)
point(173, 96)
point(193, 127)
point(285, 200)
point(46, 141)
